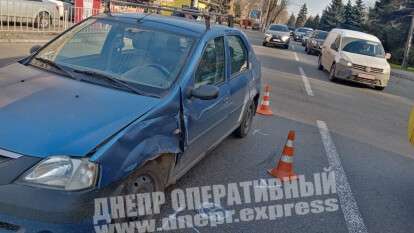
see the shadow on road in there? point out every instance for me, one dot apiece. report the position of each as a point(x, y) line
point(7, 61)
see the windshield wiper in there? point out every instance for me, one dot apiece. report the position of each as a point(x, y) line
point(55, 65)
point(111, 79)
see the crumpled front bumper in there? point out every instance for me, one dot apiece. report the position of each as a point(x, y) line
point(350, 74)
point(31, 210)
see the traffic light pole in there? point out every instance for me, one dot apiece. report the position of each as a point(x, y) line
point(408, 45)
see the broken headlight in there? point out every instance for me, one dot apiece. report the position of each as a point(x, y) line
point(63, 172)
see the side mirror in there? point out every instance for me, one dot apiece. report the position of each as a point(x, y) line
point(388, 56)
point(205, 92)
point(35, 49)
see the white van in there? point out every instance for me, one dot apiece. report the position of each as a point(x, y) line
point(355, 56)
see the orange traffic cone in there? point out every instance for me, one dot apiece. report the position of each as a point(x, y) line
point(284, 169)
point(264, 108)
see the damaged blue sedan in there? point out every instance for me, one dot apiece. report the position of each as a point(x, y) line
point(118, 104)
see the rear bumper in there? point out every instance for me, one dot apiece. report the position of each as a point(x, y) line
point(350, 74)
point(314, 48)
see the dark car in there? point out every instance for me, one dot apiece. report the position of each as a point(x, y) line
point(315, 41)
point(300, 32)
point(278, 35)
point(119, 104)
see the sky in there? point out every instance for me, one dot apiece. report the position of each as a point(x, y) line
point(316, 6)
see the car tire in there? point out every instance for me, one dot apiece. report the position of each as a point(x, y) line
point(306, 49)
point(286, 46)
point(320, 66)
point(264, 43)
point(246, 123)
point(43, 20)
point(379, 88)
point(332, 72)
point(145, 179)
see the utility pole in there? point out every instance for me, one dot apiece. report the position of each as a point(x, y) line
point(408, 45)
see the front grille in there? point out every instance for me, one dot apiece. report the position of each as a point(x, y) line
point(9, 227)
point(364, 80)
point(364, 68)
point(3, 159)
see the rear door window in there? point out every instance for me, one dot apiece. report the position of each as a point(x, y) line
point(238, 54)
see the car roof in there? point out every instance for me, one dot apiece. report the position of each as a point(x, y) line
point(278, 24)
point(168, 23)
point(356, 34)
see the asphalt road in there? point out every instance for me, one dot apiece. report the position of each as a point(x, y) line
point(355, 131)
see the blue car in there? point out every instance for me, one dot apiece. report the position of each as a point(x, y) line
point(118, 104)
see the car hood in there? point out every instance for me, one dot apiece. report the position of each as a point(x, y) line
point(278, 33)
point(43, 114)
point(375, 62)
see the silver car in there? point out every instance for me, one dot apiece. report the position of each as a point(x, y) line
point(277, 34)
point(39, 13)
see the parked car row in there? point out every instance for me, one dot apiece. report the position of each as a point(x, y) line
point(40, 13)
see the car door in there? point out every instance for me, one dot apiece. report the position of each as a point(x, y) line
point(205, 119)
point(331, 52)
point(240, 77)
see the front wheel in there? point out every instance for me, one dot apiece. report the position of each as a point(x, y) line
point(320, 66)
point(332, 74)
point(246, 123)
point(264, 43)
point(379, 88)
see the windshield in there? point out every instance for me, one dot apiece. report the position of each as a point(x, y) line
point(280, 28)
point(363, 47)
point(147, 59)
point(321, 35)
point(304, 30)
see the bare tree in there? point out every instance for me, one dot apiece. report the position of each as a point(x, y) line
point(273, 9)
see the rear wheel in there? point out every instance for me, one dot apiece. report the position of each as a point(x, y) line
point(246, 123)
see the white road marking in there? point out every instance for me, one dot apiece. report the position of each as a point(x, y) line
point(296, 56)
point(353, 219)
point(306, 82)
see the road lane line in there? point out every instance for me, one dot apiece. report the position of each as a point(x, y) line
point(296, 56)
point(353, 219)
point(306, 82)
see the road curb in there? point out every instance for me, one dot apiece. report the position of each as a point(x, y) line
point(26, 37)
point(28, 41)
point(402, 76)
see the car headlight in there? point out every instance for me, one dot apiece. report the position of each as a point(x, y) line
point(314, 43)
point(285, 38)
point(345, 62)
point(268, 35)
point(63, 172)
